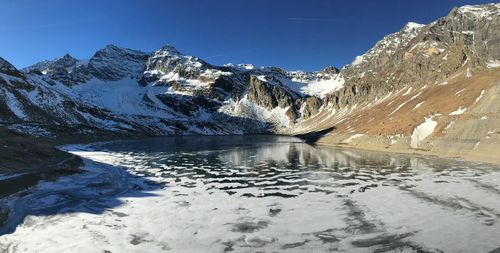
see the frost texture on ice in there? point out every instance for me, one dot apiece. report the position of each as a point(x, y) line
point(248, 198)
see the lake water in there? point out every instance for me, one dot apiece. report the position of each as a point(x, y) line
point(256, 194)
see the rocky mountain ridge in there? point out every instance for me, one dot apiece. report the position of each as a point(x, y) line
point(167, 92)
point(424, 89)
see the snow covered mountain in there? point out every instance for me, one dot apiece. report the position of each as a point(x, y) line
point(165, 92)
point(411, 89)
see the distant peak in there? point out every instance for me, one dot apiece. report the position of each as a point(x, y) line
point(170, 50)
point(5, 64)
point(67, 57)
point(330, 70)
point(168, 47)
point(111, 46)
point(113, 49)
point(7, 68)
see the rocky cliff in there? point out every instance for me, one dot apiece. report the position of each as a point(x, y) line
point(427, 88)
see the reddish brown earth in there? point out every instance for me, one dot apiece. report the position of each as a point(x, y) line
point(385, 127)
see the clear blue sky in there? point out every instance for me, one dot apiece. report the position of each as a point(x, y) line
point(307, 34)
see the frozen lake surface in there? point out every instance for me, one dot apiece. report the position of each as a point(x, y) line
point(256, 194)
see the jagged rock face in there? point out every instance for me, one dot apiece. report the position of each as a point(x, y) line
point(233, 86)
point(169, 67)
point(310, 106)
point(8, 69)
point(12, 84)
point(329, 70)
point(477, 26)
point(108, 64)
point(419, 55)
point(187, 74)
point(67, 70)
point(430, 89)
point(67, 61)
point(113, 63)
point(268, 96)
point(169, 60)
point(380, 54)
point(189, 105)
point(15, 105)
point(22, 100)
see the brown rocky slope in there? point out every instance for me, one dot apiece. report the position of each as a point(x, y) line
point(429, 89)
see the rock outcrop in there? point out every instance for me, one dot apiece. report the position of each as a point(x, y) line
point(442, 73)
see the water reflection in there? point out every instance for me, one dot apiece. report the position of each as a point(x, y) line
point(275, 165)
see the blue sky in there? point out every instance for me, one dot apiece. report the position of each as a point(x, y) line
point(307, 34)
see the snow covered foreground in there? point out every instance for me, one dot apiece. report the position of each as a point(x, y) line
point(279, 195)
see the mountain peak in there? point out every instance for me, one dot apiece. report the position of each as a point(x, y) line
point(66, 61)
point(113, 49)
point(67, 56)
point(330, 70)
point(113, 63)
point(5, 65)
point(169, 50)
point(9, 69)
point(111, 46)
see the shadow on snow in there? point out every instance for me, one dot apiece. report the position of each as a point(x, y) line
point(94, 191)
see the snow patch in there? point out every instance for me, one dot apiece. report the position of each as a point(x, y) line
point(493, 64)
point(5, 177)
point(34, 130)
point(15, 106)
point(413, 25)
point(352, 137)
point(418, 105)
point(480, 96)
point(468, 74)
point(404, 103)
point(322, 87)
point(247, 109)
point(475, 146)
point(358, 60)
point(449, 125)
point(460, 91)
point(422, 131)
point(408, 91)
point(484, 11)
point(459, 111)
